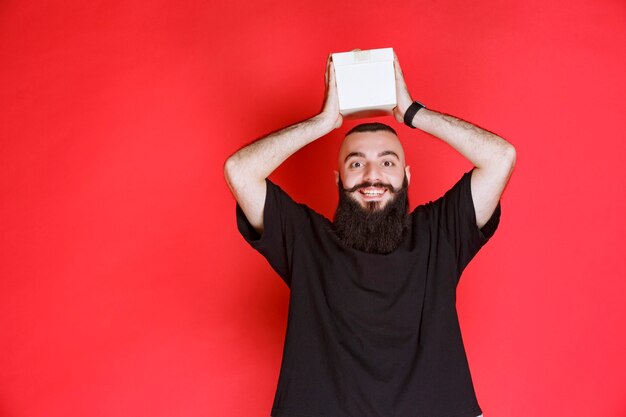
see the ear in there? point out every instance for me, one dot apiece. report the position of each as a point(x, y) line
point(407, 171)
point(336, 177)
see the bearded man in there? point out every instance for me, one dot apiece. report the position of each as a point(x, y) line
point(372, 328)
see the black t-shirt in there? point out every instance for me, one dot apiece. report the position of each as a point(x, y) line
point(372, 335)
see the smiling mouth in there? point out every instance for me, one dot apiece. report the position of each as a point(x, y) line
point(372, 192)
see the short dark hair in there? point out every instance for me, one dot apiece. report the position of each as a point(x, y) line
point(371, 127)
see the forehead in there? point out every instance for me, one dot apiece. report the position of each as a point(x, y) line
point(371, 144)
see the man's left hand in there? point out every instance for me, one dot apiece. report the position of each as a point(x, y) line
point(403, 97)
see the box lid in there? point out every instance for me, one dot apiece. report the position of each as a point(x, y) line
point(362, 57)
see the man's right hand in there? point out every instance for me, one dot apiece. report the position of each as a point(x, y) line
point(330, 110)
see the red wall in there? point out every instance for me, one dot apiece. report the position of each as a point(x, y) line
point(125, 288)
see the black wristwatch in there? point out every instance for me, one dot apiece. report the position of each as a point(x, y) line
point(409, 114)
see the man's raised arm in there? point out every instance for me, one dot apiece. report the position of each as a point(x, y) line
point(246, 170)
point(493, 157)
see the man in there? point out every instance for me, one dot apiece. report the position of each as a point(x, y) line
point(372, 328)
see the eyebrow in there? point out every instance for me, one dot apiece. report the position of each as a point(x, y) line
point(362, 155)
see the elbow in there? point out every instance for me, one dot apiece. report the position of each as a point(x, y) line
point(238, 174)
point(510, 157)
point(502, 160)
point(230, 169)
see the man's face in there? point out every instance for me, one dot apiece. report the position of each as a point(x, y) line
point(371, 166)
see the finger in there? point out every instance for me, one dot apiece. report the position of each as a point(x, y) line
point(328, 63)
point(398, 70)
point(400, 83)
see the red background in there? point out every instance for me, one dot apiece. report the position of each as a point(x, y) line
point(125, 287)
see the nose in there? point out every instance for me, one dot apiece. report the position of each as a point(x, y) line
point(372, 174)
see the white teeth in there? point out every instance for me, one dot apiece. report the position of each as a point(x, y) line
point(372, 193)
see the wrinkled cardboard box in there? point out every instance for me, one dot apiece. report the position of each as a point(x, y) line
point(366, 83)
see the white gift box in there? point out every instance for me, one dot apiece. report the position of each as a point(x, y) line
point(366, 82)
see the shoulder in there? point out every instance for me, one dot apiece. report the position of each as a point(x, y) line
point(461, 190)
point(282, 200)
point(280, 207)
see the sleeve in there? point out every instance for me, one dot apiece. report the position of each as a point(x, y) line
point(456, 219)
point(280, 218)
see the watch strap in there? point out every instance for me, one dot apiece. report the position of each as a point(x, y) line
point(410, 113)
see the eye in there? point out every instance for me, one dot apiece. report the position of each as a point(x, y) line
point(356, 164)
point(388, 163)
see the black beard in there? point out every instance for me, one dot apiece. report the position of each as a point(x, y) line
point(371, 229)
